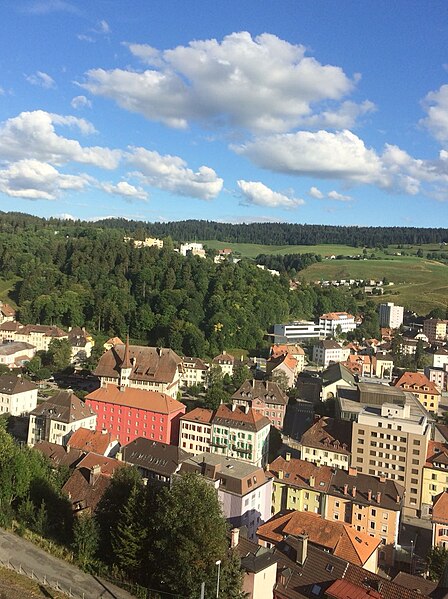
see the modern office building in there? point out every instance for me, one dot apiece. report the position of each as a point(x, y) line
point(297, 331)
point(391, 316)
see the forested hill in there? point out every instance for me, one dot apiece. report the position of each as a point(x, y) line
point(296, 234)
point(262, 233)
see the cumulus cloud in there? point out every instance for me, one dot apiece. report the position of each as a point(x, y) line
point(80, 102)
point(125, 190)
point(322, 154)
point(343, 117)
point(339, 197)
point(255, 192)
point(41, 79)
point(172, 174)
point(314, 192)
point(32, 135)
point(436, 106)
point(263, 83)
point(343, 156)
point(35, 180)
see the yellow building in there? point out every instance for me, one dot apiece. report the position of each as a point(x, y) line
point(435, 475)
point(298, 485)
point(424, 390)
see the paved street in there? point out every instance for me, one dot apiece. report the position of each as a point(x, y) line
point(32, 559)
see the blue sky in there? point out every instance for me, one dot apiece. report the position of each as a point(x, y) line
point(286, 110)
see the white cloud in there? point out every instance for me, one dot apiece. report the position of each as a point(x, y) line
point(322, 154)
point(32, 135)
point(2, 91)
point(126, 190)
point(343, 117)
point(339, 197)
point(64, 216)
point(80, 102)
point(42, 7)
point(172, 174)
point(314, 192)
point(436, 106)
point(264, 83)
point(255, 192)
point(103, 27)
point(35, 180)
point(343, 156)
point(41, 79)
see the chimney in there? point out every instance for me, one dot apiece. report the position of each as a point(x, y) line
point(235, 537)
point(354, 491)
point(280, 474)
point(288, 457)
point(253, 383)
point(312, 481)
point(369, 495)
point(398, 498)
point(246, 409)
point(345, 489)
point(302, 549)
point(159, 351)
point(95, 471)
point(378, 497)
point(382, 479)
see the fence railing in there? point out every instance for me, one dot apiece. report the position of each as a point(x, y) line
point(46, 581)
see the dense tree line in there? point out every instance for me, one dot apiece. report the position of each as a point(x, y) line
point(290, 263)
point(71, 275)
point(266, 233)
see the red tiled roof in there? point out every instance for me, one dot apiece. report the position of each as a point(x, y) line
point(343, 589)
point(199, 415)
point(136, 398)
point(297, 473)
point(238, 417)
point(416, 381)
point(87, 440)
point(336, 316)
point(337, 537)
point(440, 508)
point(107, 465)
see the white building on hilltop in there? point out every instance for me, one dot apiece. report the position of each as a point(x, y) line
point(330, 322)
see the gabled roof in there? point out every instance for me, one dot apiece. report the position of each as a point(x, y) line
point(266, 391)
point(224, 358)
point(84, 493)
point(237, 417)
point(367, 490)
point(7, 310)
point(194, 363)
point(136, 398)
point(160, 458)
point(106, 465)
point(58, 454)
point(152, 364)
point(87, 440)
point(417, 382)
point(343, 589)
point(437, 455)
point(330, 435)
point(337, 372)
point(298, 473)
point(329, 344)
point(440, 508)
point(338, 538)
point(11, 385)
point(201, 415)
point(9, 349)
point(65, 407)
point(279, 349)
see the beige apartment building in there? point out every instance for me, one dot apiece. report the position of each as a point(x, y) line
point(435, 330)
point(389, 441)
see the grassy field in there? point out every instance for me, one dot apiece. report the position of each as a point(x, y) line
point(16, 586)
point(6, 286)
point(251, 250)
point(419, 284)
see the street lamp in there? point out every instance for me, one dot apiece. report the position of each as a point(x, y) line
point(218, 563)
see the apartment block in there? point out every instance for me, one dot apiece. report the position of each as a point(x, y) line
point(328, 352)
point(435, 330)
point(335, 322)
point(328, 443)
point(435, 475)
point(391, 316)
point(389, 441)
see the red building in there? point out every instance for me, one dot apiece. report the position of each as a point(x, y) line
point(128, 413)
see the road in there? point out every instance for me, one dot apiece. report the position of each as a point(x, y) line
point(18, 551)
